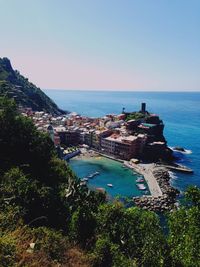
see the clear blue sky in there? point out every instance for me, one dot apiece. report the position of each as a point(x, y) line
point(104, 44)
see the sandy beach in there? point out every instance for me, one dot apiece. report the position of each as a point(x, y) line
point(85, 154)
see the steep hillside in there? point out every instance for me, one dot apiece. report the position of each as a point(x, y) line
point(26, 94)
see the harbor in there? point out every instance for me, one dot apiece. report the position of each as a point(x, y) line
point(111, 176)
point(147, 184)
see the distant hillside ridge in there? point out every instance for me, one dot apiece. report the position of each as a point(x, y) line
point(25, 93)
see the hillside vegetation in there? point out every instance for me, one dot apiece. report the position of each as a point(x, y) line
point(26, 94)
point(48, 219)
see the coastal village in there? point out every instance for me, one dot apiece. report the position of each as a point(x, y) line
point(125, 136)
point(133, 138)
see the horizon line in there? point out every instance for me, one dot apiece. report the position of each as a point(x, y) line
point(122, 90)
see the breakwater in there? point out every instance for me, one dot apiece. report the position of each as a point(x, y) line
point(179, 168)
point(165, 200)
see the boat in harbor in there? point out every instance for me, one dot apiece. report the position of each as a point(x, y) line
point(84, 180)
point(93, 174)
point(141, 186)
point(140, 180)
point(110, 185)
point(125, 167)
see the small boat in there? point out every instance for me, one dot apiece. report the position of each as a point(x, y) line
point(110, 185)
point(84, 180)
point(83, 183)
point(101, 189)
point(141, 186)
point(93, 174)
point(140, 180)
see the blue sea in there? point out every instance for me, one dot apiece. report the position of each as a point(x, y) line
point(180, 112)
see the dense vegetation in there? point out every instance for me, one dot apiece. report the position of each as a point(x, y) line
point(48, 219)
point(26, 94)
point(135, 116)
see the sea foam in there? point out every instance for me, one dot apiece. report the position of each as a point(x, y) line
point(187, 151)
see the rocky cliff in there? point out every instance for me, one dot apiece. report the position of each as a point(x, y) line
point(26, 94)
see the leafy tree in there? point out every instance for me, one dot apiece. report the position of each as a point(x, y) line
point(83, 225)
point(52, 242)
point(184, 232)
point(33, 178)
point(33, 199)
point(193, 195)
point(107, 254)
point(20, 143)
point(136, 232)
point(7, 251)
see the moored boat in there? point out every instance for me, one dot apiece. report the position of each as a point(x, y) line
point(84, 180)
point(141, 186)
point(93, 174)
point(140, 180)
point(110, 185)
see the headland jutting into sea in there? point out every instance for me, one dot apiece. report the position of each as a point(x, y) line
point(134, 138)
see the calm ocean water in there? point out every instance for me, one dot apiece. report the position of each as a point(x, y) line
point(180, 112)
point(111, 172)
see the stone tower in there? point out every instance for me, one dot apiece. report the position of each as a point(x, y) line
point(143, 107)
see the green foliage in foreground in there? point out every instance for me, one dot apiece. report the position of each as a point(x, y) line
point(184, 235)
point(42, 202)
point(133, 230)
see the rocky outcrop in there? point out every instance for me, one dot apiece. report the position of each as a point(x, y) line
point(157, 151)
point(163, 178)
point(160, 204)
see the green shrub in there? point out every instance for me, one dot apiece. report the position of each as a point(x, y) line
point(7, 251)
point(82, 225)
point(136, 232)
point(107, 254)
point(52, 242)
point(10, 218)
point(135, 116)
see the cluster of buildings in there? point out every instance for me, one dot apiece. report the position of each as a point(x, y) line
point(113, 135)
